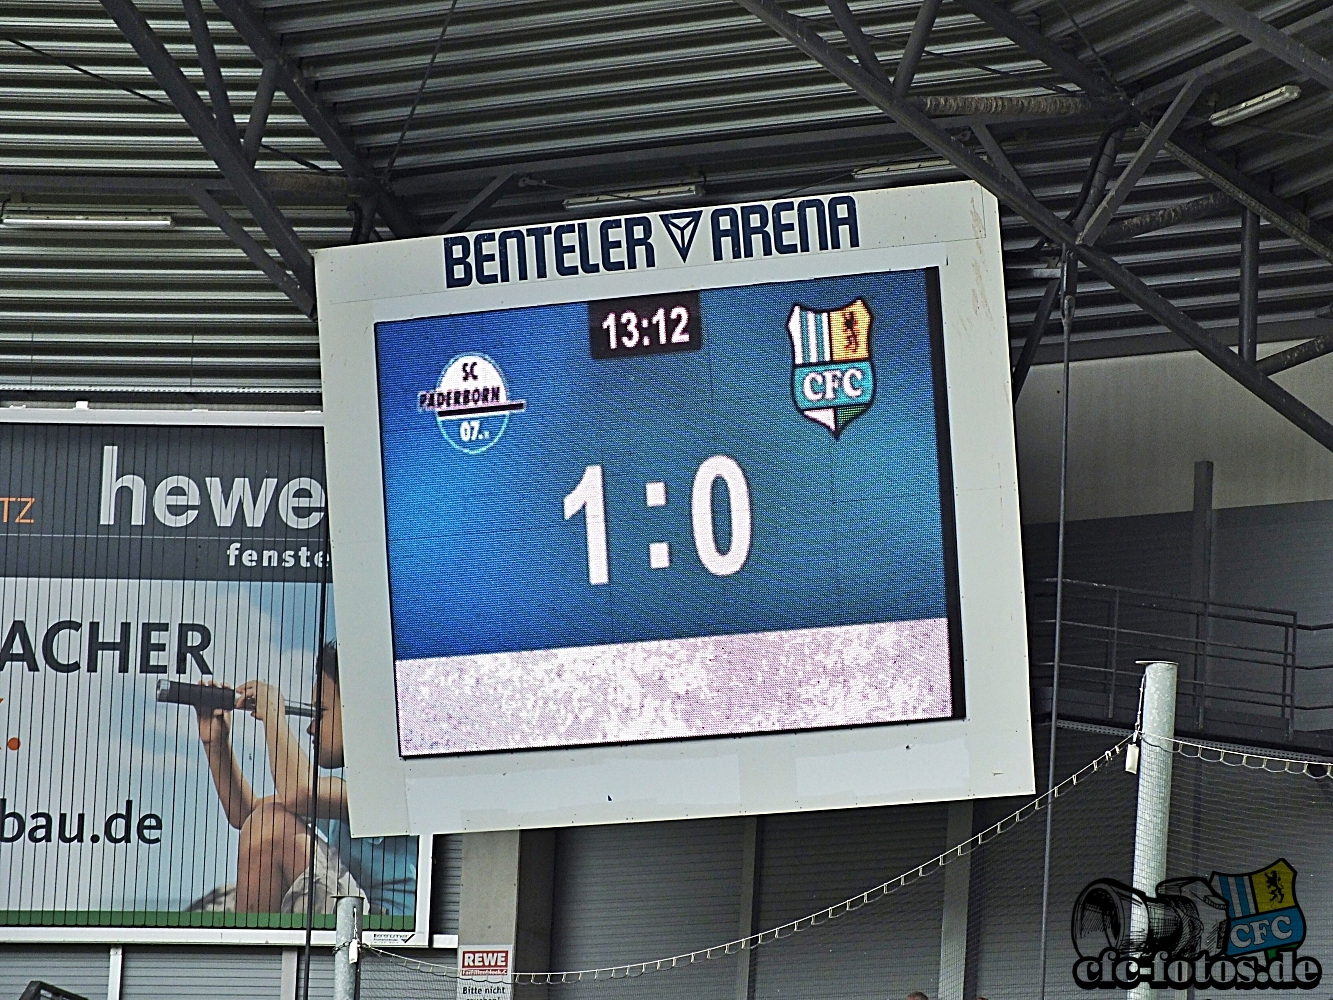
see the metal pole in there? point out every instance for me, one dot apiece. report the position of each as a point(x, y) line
point(346, 945)
point(1069, 289)
point(1249, 285)
point(1154, 810)
point(322, 627)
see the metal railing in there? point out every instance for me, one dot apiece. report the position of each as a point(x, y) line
point(1238, 662)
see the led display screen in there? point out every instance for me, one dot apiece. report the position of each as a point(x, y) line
point(718, 512)
point(683, 511)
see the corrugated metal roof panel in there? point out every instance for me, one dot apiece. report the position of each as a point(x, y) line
point(588, 95)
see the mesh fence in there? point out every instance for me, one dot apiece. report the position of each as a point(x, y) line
point(1249, 839)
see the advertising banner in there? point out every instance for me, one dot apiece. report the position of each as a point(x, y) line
point(170, 692)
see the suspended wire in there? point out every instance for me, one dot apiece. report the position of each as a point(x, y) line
point(996, 71)
point(421, 89)
point(1106, 71)
point(784, 931)
point(126, 88)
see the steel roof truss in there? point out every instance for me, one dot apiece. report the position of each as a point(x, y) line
point(1038, 45)
point(916, 45)
point(318, 115)
point(1143, 157)
point(208, 62)
point(264, 93)
point(1298, 355)
point(797, 31)
point(856, 38)
point(1272, 209)
point(222, 146)
point(1297, 55)
point(483, 200)
point(257, 254)
point(1233, 62)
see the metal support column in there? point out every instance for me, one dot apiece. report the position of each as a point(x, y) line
point(751, 861)
point(1151, 823)
point(1249, 285)
point(346, 945)
point(953, 924)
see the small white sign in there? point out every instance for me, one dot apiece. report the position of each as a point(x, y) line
point(485, 972)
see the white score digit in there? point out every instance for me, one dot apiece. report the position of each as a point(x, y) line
point(609, 325)
point(701, 515)
point(659, 320)
point(589, 497)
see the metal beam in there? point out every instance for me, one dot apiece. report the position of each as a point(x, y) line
point(222, 147)
point(1297, 55)
point(1142, 160)
point(208, 62)
point(916, 45)
point(257, 254)
point(1297, 355)
point(1242, 189)
point(1163, 218)
point(1033, 42)
point(318, 115)
point(856, 38)
point(254, 128)
point(483, 200)
point(1236, 61)
point(1248, 341)
point(1041, 218)
point(997, 154)
point(1038, 330)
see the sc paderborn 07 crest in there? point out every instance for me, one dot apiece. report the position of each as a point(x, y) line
point(471, 403)
point(832, 378)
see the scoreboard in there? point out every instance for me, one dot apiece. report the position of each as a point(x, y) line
point(698, 512)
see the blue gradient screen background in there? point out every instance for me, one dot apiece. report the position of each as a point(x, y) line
point(845, 531)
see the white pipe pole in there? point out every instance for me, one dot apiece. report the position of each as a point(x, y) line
point(1154, 808)
point(346, 944)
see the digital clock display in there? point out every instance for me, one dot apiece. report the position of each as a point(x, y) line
point(743, 525)
point(658, 324)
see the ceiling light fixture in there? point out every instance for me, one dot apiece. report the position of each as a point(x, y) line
point(1255, 106)
point(17, 218)
point(670, 193)
point(906, 166)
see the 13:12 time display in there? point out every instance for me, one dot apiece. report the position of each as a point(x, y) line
point(589, 496)
point(653, 324)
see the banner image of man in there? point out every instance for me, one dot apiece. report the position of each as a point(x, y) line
point(273, 864)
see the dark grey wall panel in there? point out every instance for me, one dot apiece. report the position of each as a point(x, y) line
point(212, 973)
point(635, 892)
point(816, 859)
point(1092, 837)
point(83, 970)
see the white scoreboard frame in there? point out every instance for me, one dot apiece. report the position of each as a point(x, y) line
point(953, 227)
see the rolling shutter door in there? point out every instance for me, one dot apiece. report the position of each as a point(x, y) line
point(83, 970)
point(641, 891)
point(813, 860)
point(208, 973)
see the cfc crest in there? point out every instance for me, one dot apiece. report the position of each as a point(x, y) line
point(1261, 908)
point(832, 380)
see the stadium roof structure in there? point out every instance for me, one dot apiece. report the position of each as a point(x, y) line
point(169, 164)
